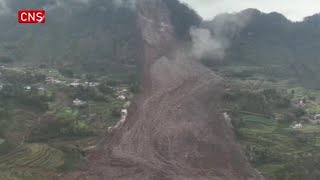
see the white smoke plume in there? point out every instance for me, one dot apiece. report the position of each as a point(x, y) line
point(214, 39)
point(205, 45)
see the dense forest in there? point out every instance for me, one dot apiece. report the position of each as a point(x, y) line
point(182, 18)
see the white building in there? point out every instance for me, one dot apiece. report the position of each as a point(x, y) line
point(78, 102)
point(93, 84)
point(226, 116)
point(122, 97)
point(316, 117)
point(297, 126)
point(49, 79)
point(74, 84)
point(124, 112)
point(54, 81)
point(121, 92)
point(27, 88)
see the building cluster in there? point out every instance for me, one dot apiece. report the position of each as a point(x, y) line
point(314, 117)
point(121, 94)
point(78, 102)
point(76, 83)
point(297, 126)
point(54, 81)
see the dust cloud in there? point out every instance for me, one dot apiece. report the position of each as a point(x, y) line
point(214, 37)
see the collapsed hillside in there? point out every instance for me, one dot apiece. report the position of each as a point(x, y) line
point(174, 129)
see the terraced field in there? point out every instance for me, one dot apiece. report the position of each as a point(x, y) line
point(20, 126)
point(30, 162)
point(273, 148)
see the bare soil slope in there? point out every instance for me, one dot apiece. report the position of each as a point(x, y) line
point(174, 129)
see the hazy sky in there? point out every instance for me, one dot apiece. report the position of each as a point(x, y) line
point(295, 10)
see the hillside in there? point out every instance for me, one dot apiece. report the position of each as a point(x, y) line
point(279, 48)
point(63, 83)
point(146, 89)
point(74, 36)
point(175, 129)
point(271, 69)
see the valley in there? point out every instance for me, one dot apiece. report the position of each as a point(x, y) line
point(275, 120)
point(50, 118)
point(148, 89)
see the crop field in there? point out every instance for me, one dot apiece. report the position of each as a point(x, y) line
point(272, 148)
point(30, 161)
point(43, 133)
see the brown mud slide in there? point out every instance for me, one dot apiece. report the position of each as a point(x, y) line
point(174, 129)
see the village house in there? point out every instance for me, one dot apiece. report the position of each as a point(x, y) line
point(124, 112)
point(78, 102)
point(27, 88)
point(121, 92)
point(41, 90)
point(127, 104)
point(54, 81)
point(74, 84)
point(93, 84)
point(314, 117)
point(122, 97)
point(301, 103)
point(49, 79)
point(297, 126)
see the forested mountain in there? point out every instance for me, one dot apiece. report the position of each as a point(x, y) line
point(280, 48)
point(271, 66)
point(182, 18)
point(63, 83)
point(77, 34)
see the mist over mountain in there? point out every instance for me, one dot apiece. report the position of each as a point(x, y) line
point(284, 49)
point(78, 34)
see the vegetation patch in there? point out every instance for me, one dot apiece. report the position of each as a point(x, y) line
point(29, 161)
